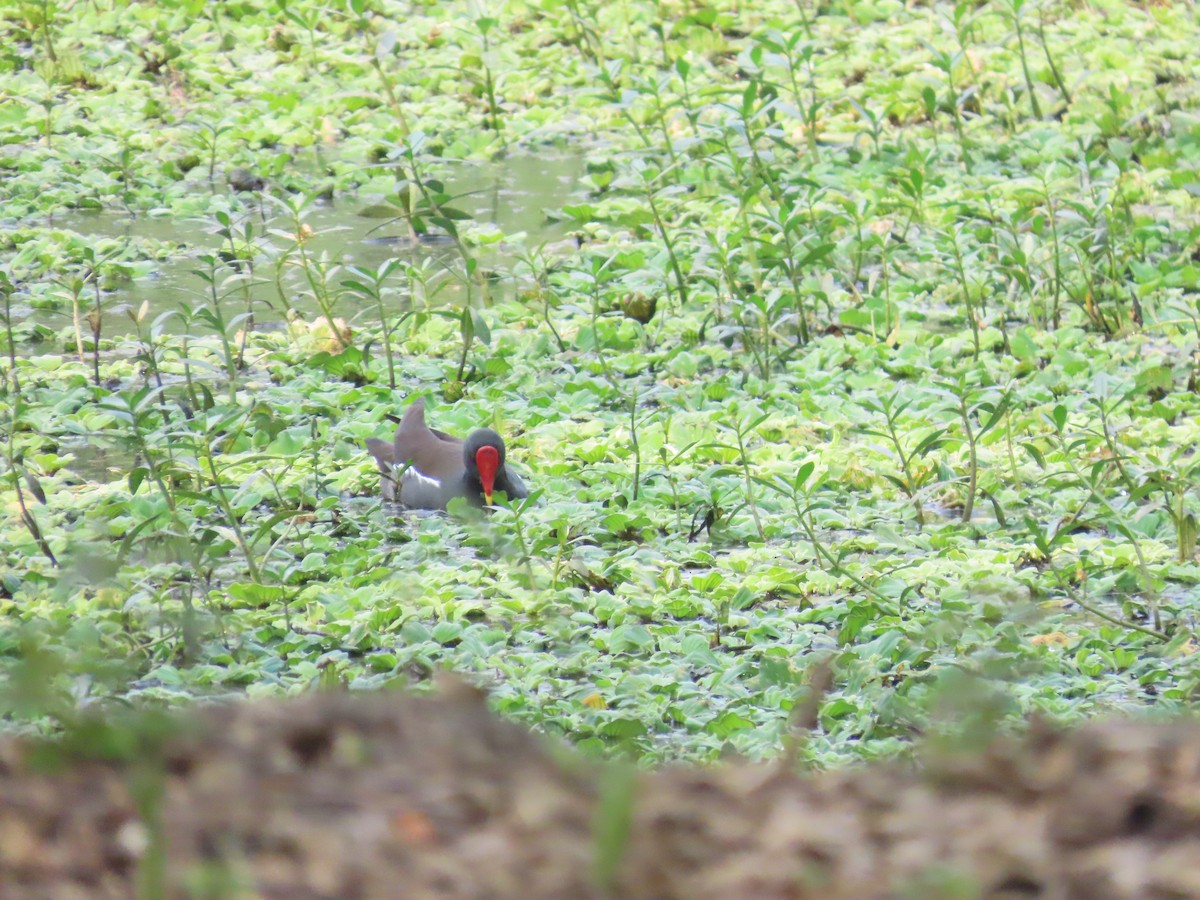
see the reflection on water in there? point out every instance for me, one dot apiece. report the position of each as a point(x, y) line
point(96, 461)
point(512, 196)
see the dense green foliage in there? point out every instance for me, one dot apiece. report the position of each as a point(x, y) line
point(879, 348)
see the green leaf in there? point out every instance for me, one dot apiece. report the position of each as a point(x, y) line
point(630, 639)
point(930, 443)
point(997, 413)
point(260, 596)
point(1154, 380)
point(481, 327)
point(132, 535)
point(447, 632)
point(727, 724)
point(815, 255)
point(466, 326)
point(1022, 344)
point(697, 651)
point(803, 473)
point(1059, 418)
point(136, 477)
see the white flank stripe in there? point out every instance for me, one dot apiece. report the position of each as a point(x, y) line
point(413, 477)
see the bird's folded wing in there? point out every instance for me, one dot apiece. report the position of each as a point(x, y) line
point(419, 491)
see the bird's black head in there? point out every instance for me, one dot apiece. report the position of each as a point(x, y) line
point(476, 441)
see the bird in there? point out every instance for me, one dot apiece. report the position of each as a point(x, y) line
point(424, 468)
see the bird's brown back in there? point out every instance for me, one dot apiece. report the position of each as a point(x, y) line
point(432, 453)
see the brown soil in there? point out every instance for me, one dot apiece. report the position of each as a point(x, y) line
point(393, 796)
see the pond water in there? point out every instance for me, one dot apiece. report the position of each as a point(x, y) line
point(513, 195)
point(98, 461)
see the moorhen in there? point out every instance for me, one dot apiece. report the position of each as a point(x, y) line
point(425, 468)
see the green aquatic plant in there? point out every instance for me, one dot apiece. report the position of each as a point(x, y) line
point(857, 332)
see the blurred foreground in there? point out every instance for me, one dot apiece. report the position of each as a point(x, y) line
point(388, 795)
